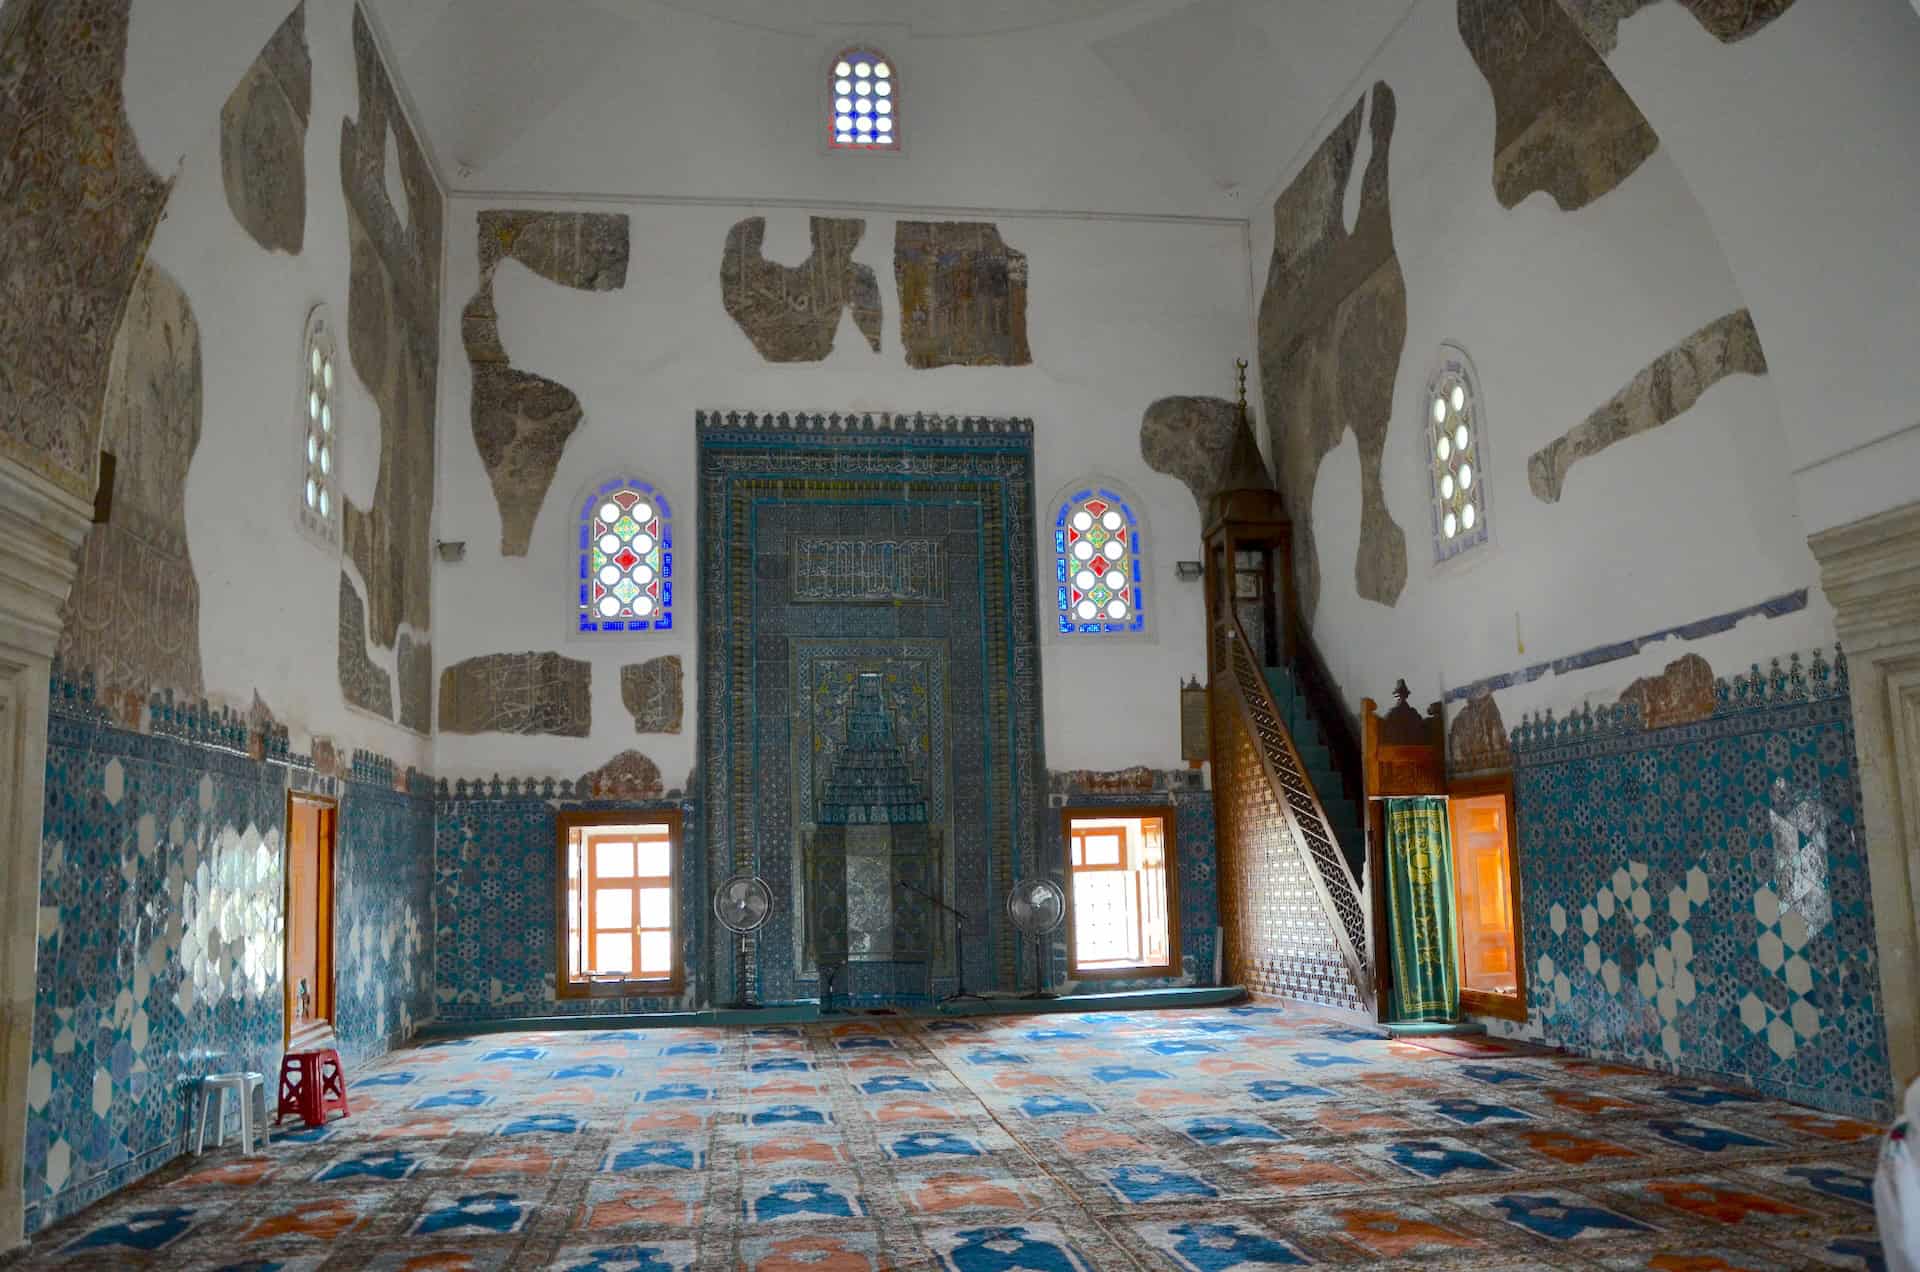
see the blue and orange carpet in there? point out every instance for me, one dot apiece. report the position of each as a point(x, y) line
point(1204, 1140)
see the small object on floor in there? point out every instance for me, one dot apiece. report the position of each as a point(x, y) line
point(312, 1084)
point(213, 1102)
point(1896, 1190)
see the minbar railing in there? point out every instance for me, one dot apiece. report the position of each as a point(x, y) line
point(1303, 966)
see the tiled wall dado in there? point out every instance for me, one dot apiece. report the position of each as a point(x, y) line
point(159, 961)
point(494, 862)
point(1696, 897)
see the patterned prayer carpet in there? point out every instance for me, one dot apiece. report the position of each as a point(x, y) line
point(1205, 1140)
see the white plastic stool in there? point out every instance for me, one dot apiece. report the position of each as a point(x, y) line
point(213, 1100)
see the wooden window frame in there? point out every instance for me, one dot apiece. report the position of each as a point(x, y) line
point(327, 851)
point(565, 986)
point(1479, 1002)
point(1118, 812)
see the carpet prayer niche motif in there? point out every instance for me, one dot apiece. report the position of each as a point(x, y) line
point(1202, 1140)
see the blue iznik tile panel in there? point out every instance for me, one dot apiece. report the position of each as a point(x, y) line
point(160, 938)
point(494, 864)
point(383, 917)
point(1696, 897)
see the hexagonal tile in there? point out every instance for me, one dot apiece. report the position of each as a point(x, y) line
point(206, 793)
point(1604, 902)
point(1545, 968)
point(1685, 987)
point(1799, 975)
point(1563, 989)
point(1682, 945)
point(1805, 1017)
point(1645, 979)
point(1557, 919)
point(39, 1086)
point(1667, 1005)
point(1638, 869)
point(1793, 929)
point(1622, 884)
point(1663, 963)
point(1641, 904)
point(59, 1165)
point(1590, 955)
point(115, 783)
point(1589, 920)
point(102, 1092)
point(1697, 886)
point(1610, 975)
point(1772, 953)
point(1678, 905)
point(1780, 1039)
point(1753, 1013)
point(1670, 1042)
point(1766, 906)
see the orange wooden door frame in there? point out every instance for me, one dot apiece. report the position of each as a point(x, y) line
point(326, 827)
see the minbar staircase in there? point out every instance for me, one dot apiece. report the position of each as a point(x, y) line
point(1316, 753)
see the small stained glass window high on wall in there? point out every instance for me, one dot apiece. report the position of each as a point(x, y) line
point(1456, 448)
point(1099, 566)
point(863, 101)
point(626, 559)
point(317, 413)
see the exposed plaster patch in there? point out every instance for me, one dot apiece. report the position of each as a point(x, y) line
point(1562, 122)
point(1205, 442)
point(1664, 390)
point(522, 421)
point(518, 693)
point(1681, 694)
point(1333, 325)
point(791, 313)
point(963, 295)
point(653, 692)
point(78, 206)
point(263, 140)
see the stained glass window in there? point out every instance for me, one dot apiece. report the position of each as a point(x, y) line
point(1098, 565)
point(626, 559)
point(1456, 446)
point(318, 423)
point(863, 101)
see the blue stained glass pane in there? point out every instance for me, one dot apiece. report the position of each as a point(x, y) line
point(1081, 497)
point(666, 593)
point(1061, 599)
point(1127, 513)
point(1066, 628)
point(1061, 520)
point(1059, 571)
point(666, 565)
point(1060, 541)
point(1136, 569)
point(665, 511)
point(666, 622)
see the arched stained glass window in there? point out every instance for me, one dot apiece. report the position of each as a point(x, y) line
point(863, 101)
point(317, 411)
point(1456, 442)
point(626, 559)
point(1099, 564)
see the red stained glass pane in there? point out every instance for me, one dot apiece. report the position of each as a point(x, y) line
point(626, 560)
point(1096, 506)
point(626, 499)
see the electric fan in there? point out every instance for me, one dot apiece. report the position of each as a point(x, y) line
point(1037, 907)
point(743, 905)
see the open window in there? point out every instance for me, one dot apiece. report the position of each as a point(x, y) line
point(1487, 896)
point(618, 899)
point(1122, 895)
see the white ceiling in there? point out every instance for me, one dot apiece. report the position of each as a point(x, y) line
point(1219, 95)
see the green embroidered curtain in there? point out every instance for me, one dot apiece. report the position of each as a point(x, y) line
point(1426, 966)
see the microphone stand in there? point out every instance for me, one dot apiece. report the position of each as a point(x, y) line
point(960, 990)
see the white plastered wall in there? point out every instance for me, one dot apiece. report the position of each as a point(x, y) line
point(1120, 312)
point(1559, 310)
point(269, 596)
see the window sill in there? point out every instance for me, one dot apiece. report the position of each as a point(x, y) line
point(657, 988)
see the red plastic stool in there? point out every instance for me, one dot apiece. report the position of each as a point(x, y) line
point(312, 1084)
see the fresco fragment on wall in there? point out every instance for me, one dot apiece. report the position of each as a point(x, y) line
point(628, 775)
point(133, 615)
point(653, 692)
point(1728, 21)
point(1206, 442)
point(518, 693)
point(1681, 694)
point(1333, 324)
point(791, 313)
point(1665, 389)
point(1562, 123)
point(963, 295)
point(414, 662)
point(522, 421)
point(1477, 740)
point(363, 683)
point(263, 140)
point(393, 308)
point(78, 206)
